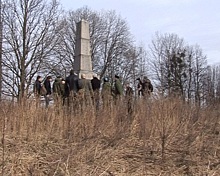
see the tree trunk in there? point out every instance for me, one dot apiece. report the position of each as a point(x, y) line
point(1, 26)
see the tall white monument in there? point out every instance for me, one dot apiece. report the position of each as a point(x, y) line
point(83, 61)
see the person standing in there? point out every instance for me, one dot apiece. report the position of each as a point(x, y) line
point(47, 85)
point(147, 87)
point(71, 87)
point(118, 88)
point(63, 91)
point(38, 89)
point(96, 84)
point(106, 93)
point(85, 90)
point(129, 99)
point(139, 87)
point(57, 89)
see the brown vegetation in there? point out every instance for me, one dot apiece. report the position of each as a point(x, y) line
point(162, 137)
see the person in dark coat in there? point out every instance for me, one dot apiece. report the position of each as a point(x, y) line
point(96, 85)
point(71, 87)
point(47, 85)
point(37, 87)
point(139, 87)
point(72, 82)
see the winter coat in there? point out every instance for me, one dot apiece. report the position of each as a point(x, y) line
point(96, 84)
point(71, 84)
point(47, 85)
point(106, 89)
point(118, 88)
point(37, 87)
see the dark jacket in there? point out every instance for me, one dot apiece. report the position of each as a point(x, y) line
point(37, 87)
point(47, 85)
point(96, 84)
point(71, 84)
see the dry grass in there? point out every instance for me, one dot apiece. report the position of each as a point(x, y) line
point(162, 137)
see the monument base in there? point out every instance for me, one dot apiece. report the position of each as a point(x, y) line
point(88, 74)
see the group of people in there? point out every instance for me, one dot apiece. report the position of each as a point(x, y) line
point(73, 90)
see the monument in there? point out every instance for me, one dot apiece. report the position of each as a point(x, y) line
point(83, 61)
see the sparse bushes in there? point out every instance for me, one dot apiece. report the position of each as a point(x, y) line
point(165, 136)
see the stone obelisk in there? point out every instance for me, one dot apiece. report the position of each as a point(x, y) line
point(83, 61)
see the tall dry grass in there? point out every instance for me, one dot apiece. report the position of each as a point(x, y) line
point(159, 137)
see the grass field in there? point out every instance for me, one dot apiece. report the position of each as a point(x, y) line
point(160, 137)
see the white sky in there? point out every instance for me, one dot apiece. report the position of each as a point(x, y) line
point(197, 21)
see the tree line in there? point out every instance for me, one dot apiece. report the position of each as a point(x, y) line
point(38, 37)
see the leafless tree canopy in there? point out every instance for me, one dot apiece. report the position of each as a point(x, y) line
point(29, 39)
point(39, 38)
point(111, 41)
point(180, 69)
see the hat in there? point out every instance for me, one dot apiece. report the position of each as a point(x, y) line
point(106, 79)
point(116, 76)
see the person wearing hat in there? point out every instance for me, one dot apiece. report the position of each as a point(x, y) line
point(71, 87)
point(38, 87)
point(118, 88)
point(47, 85)
point(106, 92)
point(96, 85)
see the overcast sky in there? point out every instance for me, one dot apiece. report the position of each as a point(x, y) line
point(197, 21)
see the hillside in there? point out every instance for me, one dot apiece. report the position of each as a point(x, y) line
point(161, 137)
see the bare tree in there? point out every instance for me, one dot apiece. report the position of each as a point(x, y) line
point(178, 68)
point(167, 62)
point(211, 88)
point(1, 26)
point(199, 69)
point(217, 84)
point(110, 39)
point(29, 39)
